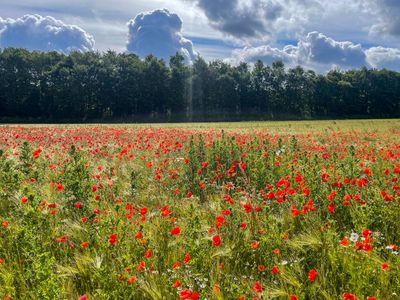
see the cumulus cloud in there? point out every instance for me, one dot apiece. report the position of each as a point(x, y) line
point(320, 49)
point(159, 33)
point(248, 20)
point(35, 32)
point(315, 51)
point(380, 57)
point(266, 53)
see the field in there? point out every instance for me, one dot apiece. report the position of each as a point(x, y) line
point(284, 210)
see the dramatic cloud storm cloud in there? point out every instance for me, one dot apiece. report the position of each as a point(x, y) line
point(34, 32)
point(255, 20)
point(159, 33)
point(238, 18)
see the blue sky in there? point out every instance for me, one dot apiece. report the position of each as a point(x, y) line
point(317, 34)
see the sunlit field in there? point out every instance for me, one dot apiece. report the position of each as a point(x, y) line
point(263, 210)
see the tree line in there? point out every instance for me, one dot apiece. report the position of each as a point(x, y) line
point(110, 86)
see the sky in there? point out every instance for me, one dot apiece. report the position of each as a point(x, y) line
point(316, 34)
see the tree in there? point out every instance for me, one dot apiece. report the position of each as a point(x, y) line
point(93, 86)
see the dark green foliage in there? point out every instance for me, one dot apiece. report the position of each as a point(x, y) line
point(110, 86)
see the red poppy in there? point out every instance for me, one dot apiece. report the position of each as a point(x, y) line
point(275, 270)
point(59, 186)
point(331, 208)
point(216, 240)
point(344, 242)
point(187, 294)
point(176, 231)
point(148, 253)
point(176, 284)
point(312, 275)
point(113, 239)
point(141, 266)
point(385, 266)
point(257, 287)
point(131, 279)
point(186, 258)
point(255, 245)
point(348, 296)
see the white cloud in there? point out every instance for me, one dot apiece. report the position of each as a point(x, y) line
point(266, 53)
point(159, 33)
point(315, 51)
point(35, 32)
point(320, 49)
point(380, 57)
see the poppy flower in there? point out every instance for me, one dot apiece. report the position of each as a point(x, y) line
point(187, 294)
point(344, 242)
point(176, 284)
point(216, 240)
point(148, 253)
point(275, 270)
point(331, 208)
point(176, 265)
point(176, 231)
point(141, 266)
point(385, 266)
point(131, 279)
point(186, 259)
point(59, 186)
point(113, 239)
point(312, 275)
point(257, 287)
point(255, 245)
point(348, 296)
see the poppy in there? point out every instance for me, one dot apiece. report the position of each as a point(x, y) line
point(257, 287)
point(216, 240)
point(176, 231)
point(312, 275)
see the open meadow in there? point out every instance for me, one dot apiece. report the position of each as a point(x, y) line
point(253, 210)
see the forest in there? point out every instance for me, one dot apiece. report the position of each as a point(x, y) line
point(120, 87)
